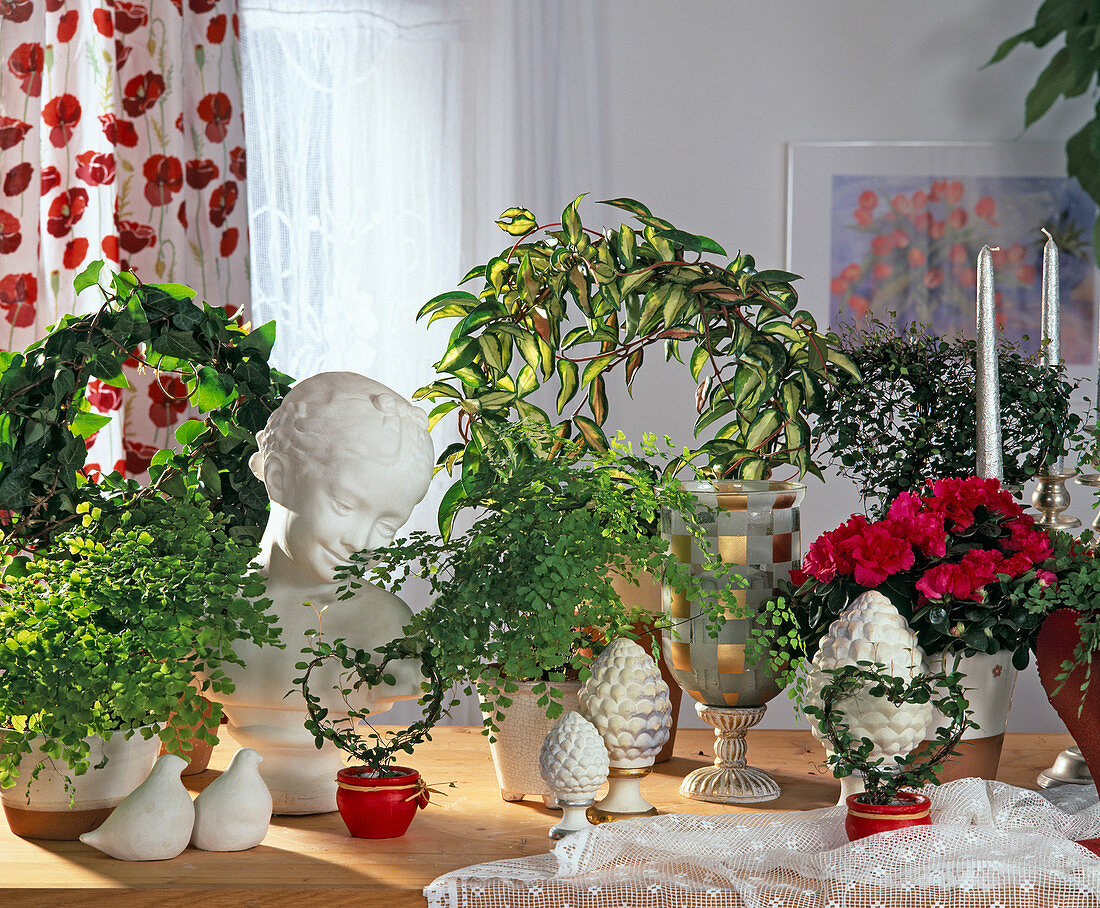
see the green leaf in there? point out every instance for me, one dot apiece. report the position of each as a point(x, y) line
point(460, 298)
point(517, 221)
point(178, 291)
point(118, 381)
point(597, 400)
point(633, 206)
point(571, 221)
point(567, 378)
point(87, 424)
point(439, 411)
point(448, 507)
point(527, 381)
point(1056, 79)
point(89, 277)
point(458, 356)
point(261, 339)
point(844, 362)
point(434, 390)
point(188, 431)
point(595, 367)
point(211, 392)
point(593, 434)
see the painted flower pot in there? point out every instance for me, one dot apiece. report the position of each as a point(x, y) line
point(41, 808)
point(870, 819)
point(379, 807)
point(1057, 640)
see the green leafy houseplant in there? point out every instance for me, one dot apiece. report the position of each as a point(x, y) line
point(568, 306)
point(912, 416)
point(883, 779)
point(1071, 72)
point(104, 633)
point(514, 597)
point(45, 418)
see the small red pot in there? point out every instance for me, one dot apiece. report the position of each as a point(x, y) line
point(379, 807)
point(869, 819)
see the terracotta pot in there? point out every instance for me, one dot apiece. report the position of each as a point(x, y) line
point(379, 807)
point(869, 819)
point(196, 751)
point(48, 814)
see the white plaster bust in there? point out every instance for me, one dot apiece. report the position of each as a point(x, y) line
point(344, 460)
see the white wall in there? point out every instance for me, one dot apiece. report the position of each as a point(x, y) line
point(701, 98)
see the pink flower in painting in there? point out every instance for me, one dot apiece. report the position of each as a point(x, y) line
point(900, 238)
point(1026, 274)
point(933, 277)
point(882, 244)
point(881, 271)
point(957, 219)
point(858, 305)
point(915, 257)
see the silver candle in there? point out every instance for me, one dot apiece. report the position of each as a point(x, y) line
point(988, 383)
point(1052, 321)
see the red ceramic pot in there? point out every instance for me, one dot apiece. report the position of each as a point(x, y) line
point(379, 807)
point(869, 819)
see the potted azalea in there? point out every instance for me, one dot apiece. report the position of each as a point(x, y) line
point(377, 799)
point(899, 425)
point(961, 562)
point(515, 596)
point(889, 800)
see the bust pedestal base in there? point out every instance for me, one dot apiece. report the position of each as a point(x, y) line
point(730, 780)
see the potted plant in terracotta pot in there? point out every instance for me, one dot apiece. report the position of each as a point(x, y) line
point(888, 801)
point(101, 635)
point(377, 799)
point(514, 595)
point(961, 561)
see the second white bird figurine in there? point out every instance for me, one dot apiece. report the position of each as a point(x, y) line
point(154, 822)
point(234, 811)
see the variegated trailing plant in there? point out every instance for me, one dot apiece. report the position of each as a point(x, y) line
point(568, 306)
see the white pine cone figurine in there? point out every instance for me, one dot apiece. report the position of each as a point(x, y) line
point(871, 629)
point(627, 701)
point(573, 760)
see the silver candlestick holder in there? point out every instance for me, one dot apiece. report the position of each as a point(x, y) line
point(1050, 499)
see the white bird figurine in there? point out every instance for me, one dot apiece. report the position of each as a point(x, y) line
point(234, 811)
point(154, 822)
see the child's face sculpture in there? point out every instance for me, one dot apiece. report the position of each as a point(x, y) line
point(342, 509)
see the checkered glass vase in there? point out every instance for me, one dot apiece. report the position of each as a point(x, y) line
point(753, 525)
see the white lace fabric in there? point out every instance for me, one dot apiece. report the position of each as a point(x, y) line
point(990, 845)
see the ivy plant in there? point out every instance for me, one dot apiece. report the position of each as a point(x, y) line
point(569, 306)
point(1071, 72)
point(374, 749)
point(912, 415)
point(105, 633)
point(514, 597)
point(881, 778)
point(45, 417)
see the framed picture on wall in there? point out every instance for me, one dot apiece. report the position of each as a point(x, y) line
point(891, 231)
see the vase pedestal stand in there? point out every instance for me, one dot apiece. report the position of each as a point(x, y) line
point(730, 780)
point(1069, 769)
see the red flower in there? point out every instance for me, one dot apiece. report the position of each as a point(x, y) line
point(122, 54)
point(985, 207)
point(881, 271)
point(923, 221)
point(133, 237)
point(141, 93)
point(201, 172)
point(915, 257)
point(95, 169)
point(119, 132)
point(103, 23)
point(52, 6)
point(876, 554)
point(18, 178)
point(179, 123)
point(178, 4)
point(964, 580)
point(10, 236)
point(901, 204)
point(827, 557)
point(12, 132)
point(798, 577)
point(18, 293)
point(960, 498)
point(201, 6)
point(229, 242)
point(169, 400)
point(936, 230)
point(919, 521)
point(109, 245)
point(75, 250)
point(900, 238)
point(138, 456)
point(164, 176)
point(1024, 539)
point(66, 25)
point(851, 272)
point(216, 110)
point(16, 10)
point(130, 16)
point(26, 63)
point(215, 31)
point(51, 178)
point(933, 278)
point(62, 113)
point(868, 199)
point(237, 165)
point(882, 244)
point(858, 305)
point(181, 215)
point(222, 202)
point(920, 200)
point(104, 398)
point(957, 219)
point(65, 211)
point(838, 286)
point(863, 217)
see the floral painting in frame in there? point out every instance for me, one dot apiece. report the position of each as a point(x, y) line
point(892, 232)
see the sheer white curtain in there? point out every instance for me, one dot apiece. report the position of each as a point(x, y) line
point(384, 139)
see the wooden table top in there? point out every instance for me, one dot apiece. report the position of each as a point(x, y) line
point(312, 861)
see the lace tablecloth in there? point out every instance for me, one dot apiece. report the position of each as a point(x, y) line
point(990, 846)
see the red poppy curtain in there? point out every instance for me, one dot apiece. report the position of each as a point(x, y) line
point(121, 137)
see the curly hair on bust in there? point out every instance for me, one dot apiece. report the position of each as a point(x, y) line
point(333, 412)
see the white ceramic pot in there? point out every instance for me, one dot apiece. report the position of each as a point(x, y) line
point(49, 814)
point(516, 749)
point(989, 684)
